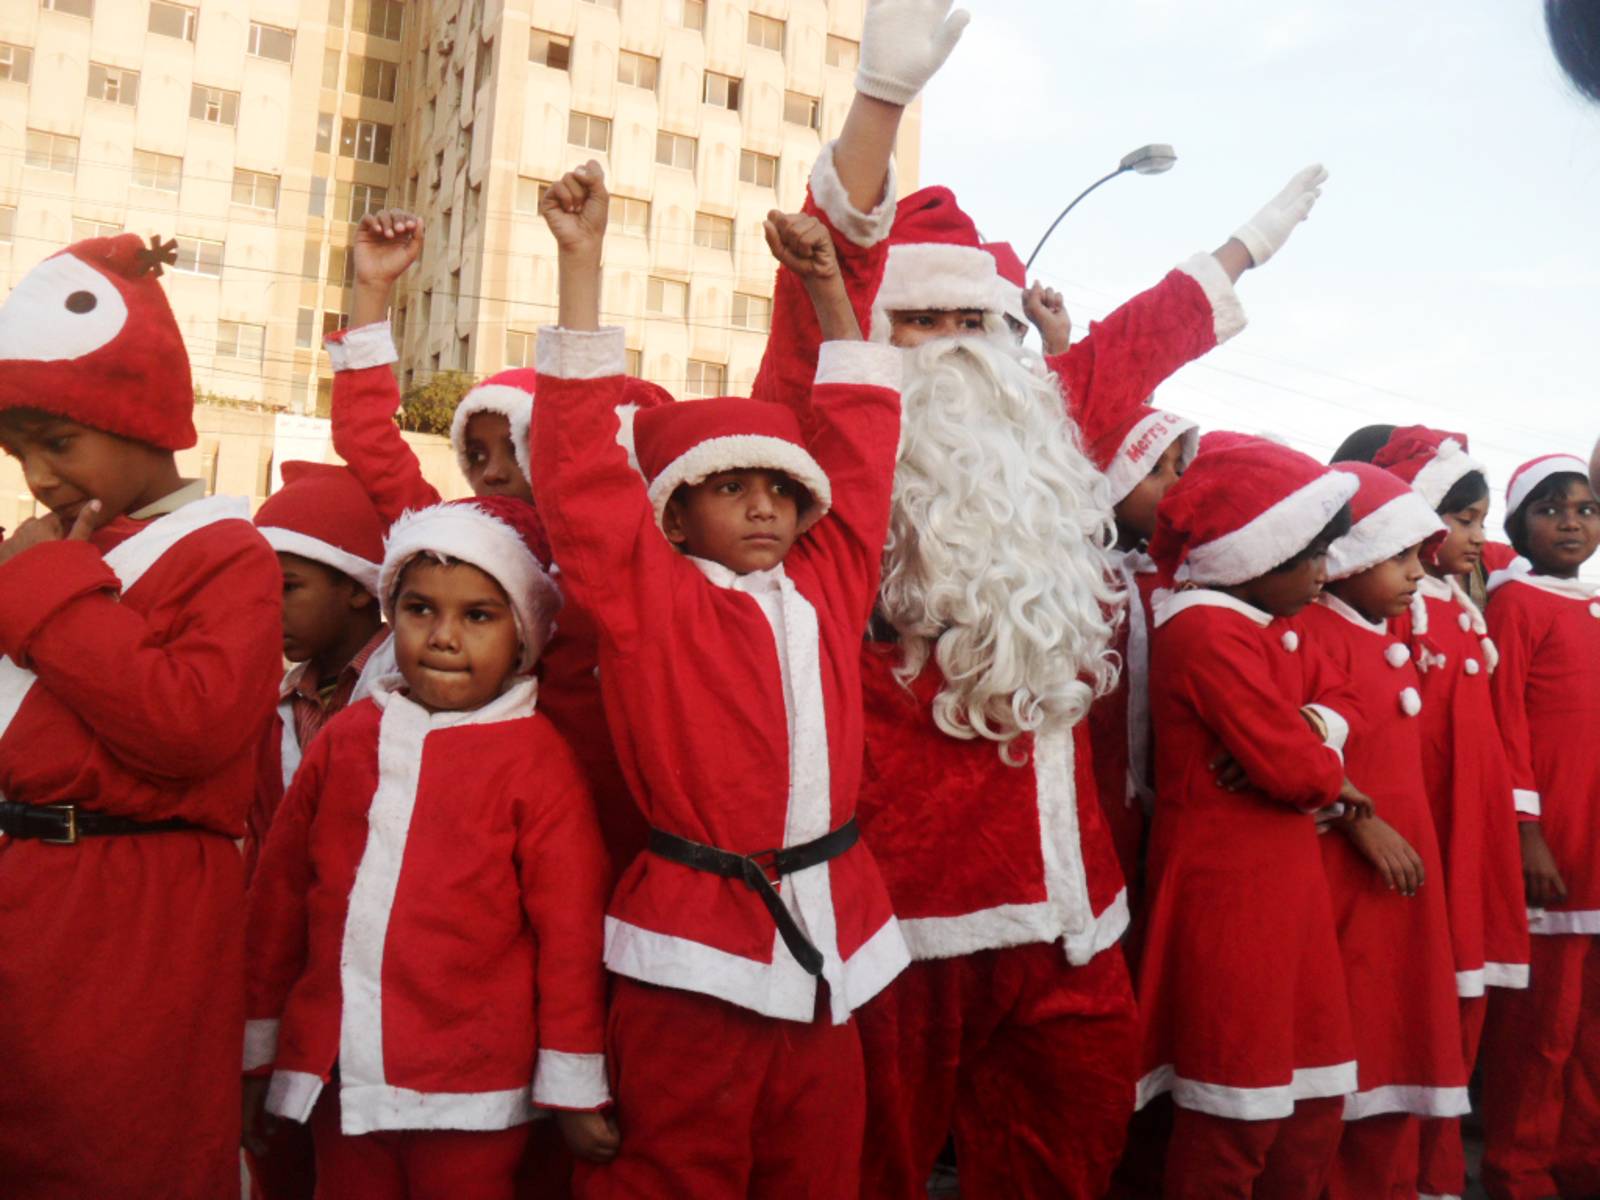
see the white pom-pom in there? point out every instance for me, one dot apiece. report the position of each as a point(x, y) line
point(1410, 702)
point(1291, 641)
point(1594, 610)
point(1465, 622)
point(1396, 655)
point(1470, 666)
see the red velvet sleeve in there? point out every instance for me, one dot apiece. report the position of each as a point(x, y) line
point(366, 437)
point(1517, 638)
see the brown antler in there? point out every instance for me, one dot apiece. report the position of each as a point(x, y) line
point(158, 254)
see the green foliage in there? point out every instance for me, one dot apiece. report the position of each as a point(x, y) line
point(429, 407)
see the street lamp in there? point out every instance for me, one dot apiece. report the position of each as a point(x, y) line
point(1146, 160)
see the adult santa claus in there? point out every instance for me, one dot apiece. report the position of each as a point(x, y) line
point(1014, 1028)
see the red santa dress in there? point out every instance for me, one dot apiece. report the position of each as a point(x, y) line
point(735, 706)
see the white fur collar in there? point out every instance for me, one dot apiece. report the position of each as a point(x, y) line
point(518, 700)
point(770, 580)
point(1167, 605)
point(1333, 604)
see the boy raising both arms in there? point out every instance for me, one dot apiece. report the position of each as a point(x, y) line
point(730, 586)
point(138, 625)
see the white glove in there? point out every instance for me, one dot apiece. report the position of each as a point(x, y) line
point(903, 42)
point(1266, 232)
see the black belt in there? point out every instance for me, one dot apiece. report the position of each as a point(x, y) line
point(754, 870)
point(64, 824)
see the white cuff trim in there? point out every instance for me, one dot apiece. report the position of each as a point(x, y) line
point(1525, 802)
point(576, 1081)
point(1227, 313)
point(1338, 728)
point(1271, 1102)
point(580, 354)
point(1505, 975)
point(260, 1044)
point(869, 364)
point(368, 346)
point(827, 190)
point(1419, 1100)
point(293, 1094)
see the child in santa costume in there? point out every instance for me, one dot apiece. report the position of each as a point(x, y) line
point(1541, 1047)
point(730, 584)
point(1384, 872)
point(1242, 999)
point(138, 628)
point(425, 926)
point(1463, 758)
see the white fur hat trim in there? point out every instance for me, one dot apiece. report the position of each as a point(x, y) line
point(514, 404)
point(744, 452)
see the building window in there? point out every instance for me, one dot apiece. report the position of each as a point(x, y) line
point(255, 190)
point(113, 84)
point(613, 5)
point(721, 90)
point(759, 169)
point(844, 53)
point(519, 349)
point(752, 312)
point(342, 266)
point(331, 58)
point(632, 362)
point(196, 256)
point(310, 260)
point(52, 152)
point(235, 340)
point(317, 197)
point(766, 32)
point(592, 133)
point(705, 379)
point(305, 328)
point(336, 13)
point(214, 105)
point(73, 8)
point(16, 63)
point(83, 229)
point(268, 41)
point(666, 297)
point(173, 20)
point(324, 132)
point(8, 222)
point(381, 18)
point(372, 77)
point(630, 215)
point(687, 14)
point(802, 110)
point(365, 198)
point(365, 141)
point(530, 192)
point(464, 352)
point(675, 150)
point(332, 322)
point(550, 50)
point(638, 70)
point(160, 171)
point(713, 232)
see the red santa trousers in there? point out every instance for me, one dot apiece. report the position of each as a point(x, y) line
point(1442, 1168)
point(1220, 1158)
point(1030, 1062)
point(1377, 1159)
point(1540, 1107)
point(413, 1164)
point(720, 1103)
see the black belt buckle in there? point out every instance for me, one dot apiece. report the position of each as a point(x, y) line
point(69, 812)
point(760, 867)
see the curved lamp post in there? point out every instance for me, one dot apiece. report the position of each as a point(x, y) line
point(1146, 160)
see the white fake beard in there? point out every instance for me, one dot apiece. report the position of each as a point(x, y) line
point(996, 565)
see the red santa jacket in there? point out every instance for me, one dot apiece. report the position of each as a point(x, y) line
point(427, 914)
point(365, 397)
point(1547, 698)
point(1398, 964)
point(734, 700)
point(1469, 787)
point(1242, 998)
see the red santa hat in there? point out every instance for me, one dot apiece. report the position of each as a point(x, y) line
point(88, 335)
point(1243, 509)
point(691, 440)
point(1386, 517)
point(1431, 460)
point(1013, 279)
point(1535, 471)
point(1126, 442)
point(323, 514)
point(507, 393)
point(934, 261)
point(501, 536)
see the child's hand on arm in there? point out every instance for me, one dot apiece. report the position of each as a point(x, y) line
point(48, 528)
point(592, 1136)
point(257, 1123)
point(1380, 844)
point(802, 244)
point(576, 209)
point(1044, 307)
point(387, 243)
point(1540, 875)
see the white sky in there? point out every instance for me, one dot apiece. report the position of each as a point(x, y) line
point(1449, 273)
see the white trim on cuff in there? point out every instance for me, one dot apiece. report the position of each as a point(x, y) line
point(1227, 313)
point(827, 190)
point(580, 354)
point(365, 346)
point(868, 364)
point(1338, 728)
point(260, 1043)
point(575, 1081)
point(1525, 802)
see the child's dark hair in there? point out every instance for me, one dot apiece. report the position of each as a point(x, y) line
point(1574, 27)
point(1548, 489)
point(1465, 492)
point(1330, 533)
point(1363, 444)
